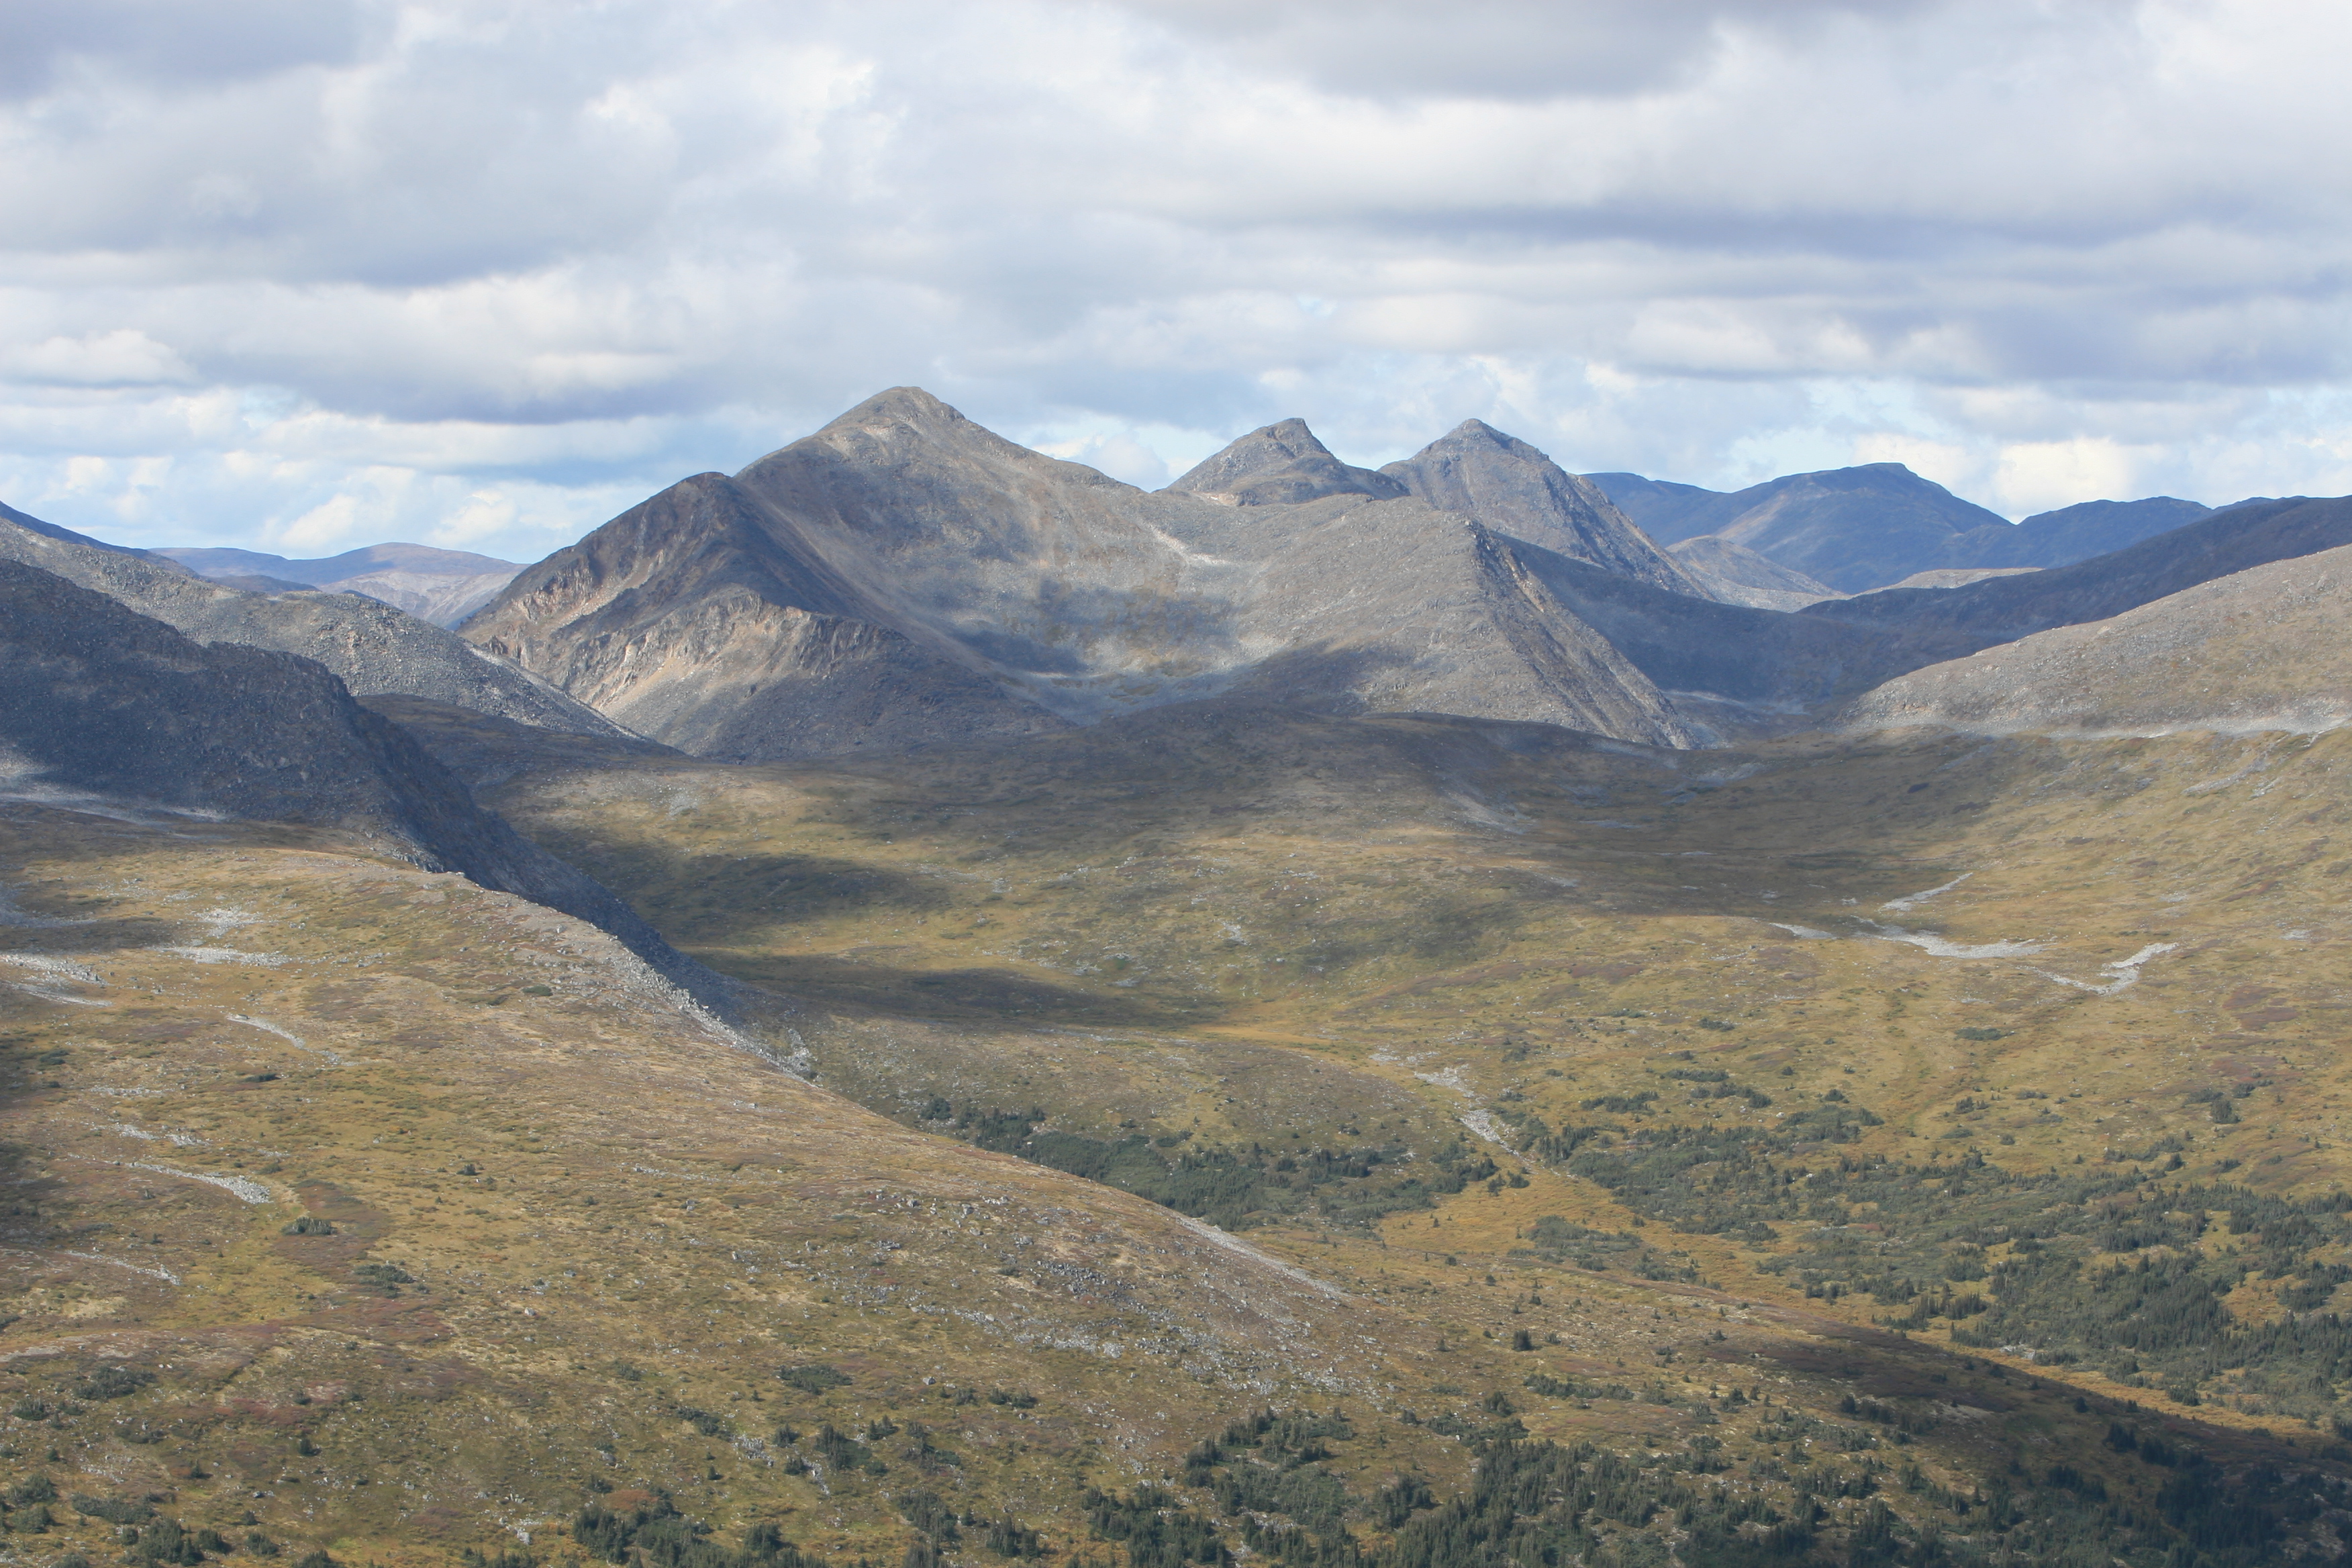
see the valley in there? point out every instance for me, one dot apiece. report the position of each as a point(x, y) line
point(917, 1006)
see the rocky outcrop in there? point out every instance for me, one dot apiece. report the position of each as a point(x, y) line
point(372, 647)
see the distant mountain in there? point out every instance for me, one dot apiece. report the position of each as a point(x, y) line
point(1854, 528)
point(1667, 511)
point(1738, 575)
point(2258, 650)
point(1937, 624)
point(2077, 533)
point(905, 575)
point(1515, 489)
point(101, 700)
point(371, 646)
point(1870, 527)
point(443, 586)
point(1957, 576)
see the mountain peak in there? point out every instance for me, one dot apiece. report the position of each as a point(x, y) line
point(1280, 464)
point(1513, 488)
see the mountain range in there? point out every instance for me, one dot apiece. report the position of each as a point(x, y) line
point(443, 586)
point(918, 1004)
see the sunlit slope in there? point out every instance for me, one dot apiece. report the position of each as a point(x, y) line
point(1908, 952)
point(412, 1209)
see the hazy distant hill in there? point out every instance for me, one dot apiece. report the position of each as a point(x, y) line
point(1868, 527)
point(443, 586)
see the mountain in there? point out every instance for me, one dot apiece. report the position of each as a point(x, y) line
point(1667, 512)
point(100, 699)
point(371, 646)
point(1281, 465)
point(1951, 623)
point(67, 535)
point(2077, 532)
point(1738, 575)
point(1515, 489)
point(904, 576)
point(1872, 526)
point(1854, 528)
point(2260, 649)
point(443, 586)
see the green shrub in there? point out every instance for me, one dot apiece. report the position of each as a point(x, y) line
point(814, 1378)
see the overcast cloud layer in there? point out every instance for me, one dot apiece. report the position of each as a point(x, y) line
point(304, 274)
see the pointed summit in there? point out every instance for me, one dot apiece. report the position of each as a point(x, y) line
point(1281, 465)
point(1513, 488)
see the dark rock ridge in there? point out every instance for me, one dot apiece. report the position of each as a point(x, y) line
point(1515, 489)
point(370, 646)
point(1281, 465)
point(904, 576)
point(1863, 528)
point(99, 699)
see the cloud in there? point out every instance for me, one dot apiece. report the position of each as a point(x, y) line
point(487, 266)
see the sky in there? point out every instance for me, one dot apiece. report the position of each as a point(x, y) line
point(301, 275)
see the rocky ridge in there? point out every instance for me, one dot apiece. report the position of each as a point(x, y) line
point(372, 647)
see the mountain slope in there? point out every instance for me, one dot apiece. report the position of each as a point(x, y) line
point(1949, 622)
point(904, 576)
point(1738, 575)
point(372, 647)
point(1513, 488)
point(101, 700)
point(2259, 650)
point(2076, 533)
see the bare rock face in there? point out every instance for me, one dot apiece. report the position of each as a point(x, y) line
point(904, 575)
point(1515, 489)
point(2259, 650)
point(1281, 465)
point(372, 647)
point(101, 700)
point(1738, 575)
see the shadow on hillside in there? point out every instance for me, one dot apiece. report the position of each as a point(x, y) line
point(973, 995)
point(721, 898)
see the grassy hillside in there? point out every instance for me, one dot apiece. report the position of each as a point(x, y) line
point(2004, 1060)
